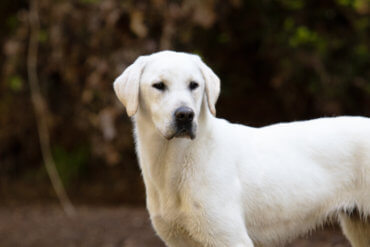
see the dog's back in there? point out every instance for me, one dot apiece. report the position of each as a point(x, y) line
point(303, 172)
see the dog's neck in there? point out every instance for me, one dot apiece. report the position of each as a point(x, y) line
point(165, 162)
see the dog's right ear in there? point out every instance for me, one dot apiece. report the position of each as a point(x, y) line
point(126, 86)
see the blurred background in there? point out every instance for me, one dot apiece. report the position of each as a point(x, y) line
point(278, 60)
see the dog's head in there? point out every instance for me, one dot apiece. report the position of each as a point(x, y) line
point(169, 87)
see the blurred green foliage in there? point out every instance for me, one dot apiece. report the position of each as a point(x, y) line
point(71, 164)
point(15, 83)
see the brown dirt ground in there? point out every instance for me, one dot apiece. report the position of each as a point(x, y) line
point(46, 225)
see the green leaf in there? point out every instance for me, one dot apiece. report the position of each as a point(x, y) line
point(16, 83)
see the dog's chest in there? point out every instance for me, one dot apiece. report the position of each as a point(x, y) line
point(181, 215)
point(178, 224)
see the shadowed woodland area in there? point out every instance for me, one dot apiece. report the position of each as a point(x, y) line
point(278, 60)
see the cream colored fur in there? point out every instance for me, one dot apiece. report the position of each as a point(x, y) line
point(235, 185)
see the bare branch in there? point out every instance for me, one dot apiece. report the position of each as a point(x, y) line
point(40, 110)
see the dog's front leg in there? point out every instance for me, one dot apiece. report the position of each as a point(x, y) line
point(245, 241)
point(172, 235)
point(184, 241)
point(180, 241)
point(227, 226)
point(224, 231)
point(217, 234)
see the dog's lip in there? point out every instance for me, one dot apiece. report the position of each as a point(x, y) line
point(183, 132)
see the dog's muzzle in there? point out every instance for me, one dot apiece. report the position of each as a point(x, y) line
point(184, 122)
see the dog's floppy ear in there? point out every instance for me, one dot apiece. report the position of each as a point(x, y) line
point(126, 85)
point(212, 86)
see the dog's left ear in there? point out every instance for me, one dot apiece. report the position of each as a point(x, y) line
point(212, 86)
point(127, 84)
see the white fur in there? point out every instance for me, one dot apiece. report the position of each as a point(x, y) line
point(235, 185)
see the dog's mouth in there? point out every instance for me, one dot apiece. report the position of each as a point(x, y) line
point(184, 132)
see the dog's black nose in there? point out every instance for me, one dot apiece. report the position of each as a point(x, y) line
point(184, 114)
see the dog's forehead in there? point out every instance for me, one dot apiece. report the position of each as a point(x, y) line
point(171, 65)
point(172, 56)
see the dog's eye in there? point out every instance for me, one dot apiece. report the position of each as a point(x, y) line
point(193, 85)
point(159, 85)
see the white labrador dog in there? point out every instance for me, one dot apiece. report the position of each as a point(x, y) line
point(213, 183)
